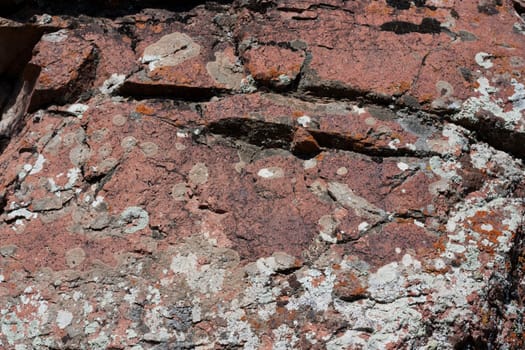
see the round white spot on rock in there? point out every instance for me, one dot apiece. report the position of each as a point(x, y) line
point(483, 60)
point(149, 148)
point(370, 121)
point(304, 121)
point(198, 174)
point(134, 218)
point(402, 166)
point(487, 227)
point(78, 109)
point(128, 142)
point(64, 319)
point(75, 257)
point(439, 264)
point(342, 171)
point(363, 226)
point(310, 163)
point(179, 146)
point(178, 191)
point(398, 250)
point(79, 155)
point(119, 120)
point(271, 173)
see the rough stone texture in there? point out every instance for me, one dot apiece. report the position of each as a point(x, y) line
point(262, 175)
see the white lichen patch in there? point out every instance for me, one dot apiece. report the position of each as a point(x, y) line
point(318, 286)
point(56, 37)
point(310, 163)
point(133, 219)
point(170, 50)
point(487, 102)
point(359, 110)
point(403, 166)
point(112, 83)
point(78, 109)
point(149, 149)
point(346, 197)
point(64, 318)
point(304, 121)
point(342, 171)
point(483, 60)
point(202, 278)
point(394, 144)
point(22, 213)
point(38, 166)
point(199, 174)
point(271, 173)
point(363, 226)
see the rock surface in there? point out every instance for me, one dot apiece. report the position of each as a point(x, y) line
point(262, 175)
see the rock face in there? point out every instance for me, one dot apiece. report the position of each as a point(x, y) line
point(262, 174)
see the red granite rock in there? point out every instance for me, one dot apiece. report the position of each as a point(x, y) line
point(273, 65)
point(260, 175)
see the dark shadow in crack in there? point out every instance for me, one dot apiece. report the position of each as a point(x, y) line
point(25, 9)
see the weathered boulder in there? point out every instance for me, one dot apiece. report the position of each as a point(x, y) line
point(262, 175)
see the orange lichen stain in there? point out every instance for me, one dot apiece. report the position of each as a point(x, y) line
point(377, 8)
point(316, 282)
point(297, 114)
point(427, 98)
point(486, 224)
point(157, 28)
point(319, 157)
point(440, 244)
point(143, 109)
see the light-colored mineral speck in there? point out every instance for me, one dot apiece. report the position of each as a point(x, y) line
point(271, 173)
point(342, 171)
point(304, 121)
point(310, 163)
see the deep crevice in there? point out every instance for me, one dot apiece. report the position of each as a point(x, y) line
point(273, 135)
point(491, 129)
point(427, 26)
point(187, 93)
point(25, 10)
